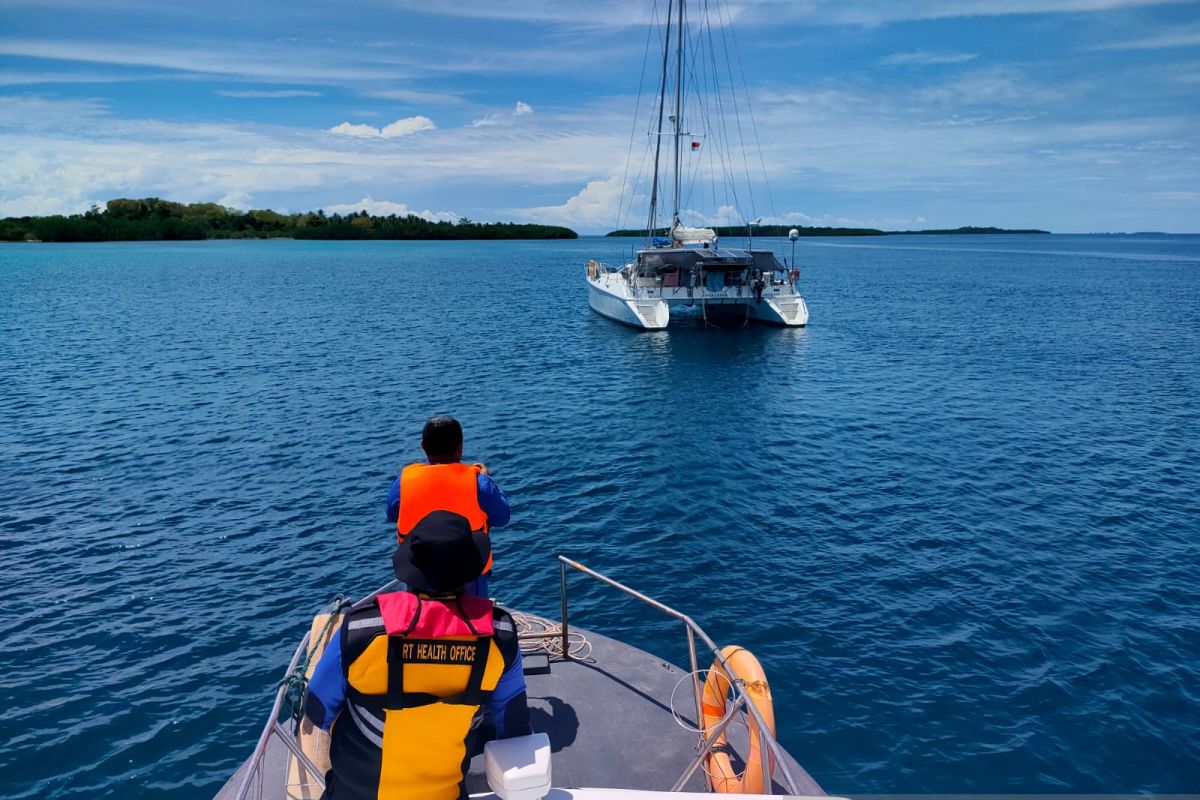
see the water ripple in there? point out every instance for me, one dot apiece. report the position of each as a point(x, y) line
point(956, 518)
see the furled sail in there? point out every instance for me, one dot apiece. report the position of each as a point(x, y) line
point(682, 236)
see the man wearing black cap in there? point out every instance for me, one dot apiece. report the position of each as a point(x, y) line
point(444, 483)
point(413, 679)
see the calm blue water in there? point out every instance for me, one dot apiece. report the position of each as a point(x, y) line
point(958, 517)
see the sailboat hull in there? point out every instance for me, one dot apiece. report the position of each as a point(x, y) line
point(610, 298)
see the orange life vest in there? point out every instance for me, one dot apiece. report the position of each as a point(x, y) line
point(440, 487)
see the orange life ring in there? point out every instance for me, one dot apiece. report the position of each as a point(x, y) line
point(746, 669)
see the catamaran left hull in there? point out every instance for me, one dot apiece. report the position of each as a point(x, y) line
point(611, 299)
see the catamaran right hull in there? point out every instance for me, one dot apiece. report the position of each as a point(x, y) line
point(788, 311)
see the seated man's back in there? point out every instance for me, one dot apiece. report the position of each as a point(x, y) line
point(410, 677)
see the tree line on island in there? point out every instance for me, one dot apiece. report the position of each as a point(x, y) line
point(154, 219)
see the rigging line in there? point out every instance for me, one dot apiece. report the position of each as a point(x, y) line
point(736, 115)
point(726, 141)
point(728, 182)
point(753, 125)
point(662, 101)
point(625, 222)
point(636, 110)
point(712, 152)
point(678, 108)
point(697, 81)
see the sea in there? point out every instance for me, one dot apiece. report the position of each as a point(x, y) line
point(957, 517)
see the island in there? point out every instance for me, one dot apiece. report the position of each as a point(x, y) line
point(154, 219)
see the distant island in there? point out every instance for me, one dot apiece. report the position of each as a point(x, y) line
point(765, 230)
point(154, 219)
point(969, 229)
point(783, 230)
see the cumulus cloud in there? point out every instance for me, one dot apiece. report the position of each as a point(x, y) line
point(522, 108)
point(384, 208)
point(594, 207)
point(407, 126)
point(357, 131)
point(236, 199)
point(401, 127)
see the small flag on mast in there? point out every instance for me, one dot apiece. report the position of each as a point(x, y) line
point(695, 145)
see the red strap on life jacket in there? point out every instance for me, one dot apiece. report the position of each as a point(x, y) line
point(438, 617)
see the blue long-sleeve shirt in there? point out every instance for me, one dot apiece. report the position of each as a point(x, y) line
point(491, 500)
point(327, 689)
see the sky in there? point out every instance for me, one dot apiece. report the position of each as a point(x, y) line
point(1074, 116)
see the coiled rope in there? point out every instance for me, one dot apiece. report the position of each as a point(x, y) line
point(544, 640)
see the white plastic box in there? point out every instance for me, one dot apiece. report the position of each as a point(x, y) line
point(519, 768)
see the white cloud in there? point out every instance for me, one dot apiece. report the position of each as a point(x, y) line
point(594, 207)
point(880, 12)
point(925, 57)
point(268, 63)
point(384, 208)
point(1170, 39)
point(401, 127)
point(236, 199)
point(415, 96)
point(358, 131)
point(407, 126)
point(724, 215)
point(12, 78)
point(267, 94)
point(487, 120)
point(39, 205)
point(30, 112)
point(635, 13)
point(996, 87)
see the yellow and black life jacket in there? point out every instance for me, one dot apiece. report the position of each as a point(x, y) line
point(440, 487)
point(417, 671)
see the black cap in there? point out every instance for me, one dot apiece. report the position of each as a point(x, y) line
point(441, 554)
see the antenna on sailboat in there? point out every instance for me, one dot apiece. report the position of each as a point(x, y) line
point(793, 235)
point(750, 232)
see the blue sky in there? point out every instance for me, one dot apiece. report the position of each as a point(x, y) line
point(1071, 115)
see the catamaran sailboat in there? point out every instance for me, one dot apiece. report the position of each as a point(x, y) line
point(686, 267)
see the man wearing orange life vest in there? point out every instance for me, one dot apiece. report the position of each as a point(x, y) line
point(444, 483)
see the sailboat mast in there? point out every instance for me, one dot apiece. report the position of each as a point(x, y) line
point(678, 108)
point(662, 102)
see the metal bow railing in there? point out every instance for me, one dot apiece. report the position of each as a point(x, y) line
point(707, 738)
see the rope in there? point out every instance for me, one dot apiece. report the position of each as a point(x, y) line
point(578, 646)
point(296, 681)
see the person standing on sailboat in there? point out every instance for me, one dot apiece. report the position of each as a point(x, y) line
point(444, 483)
